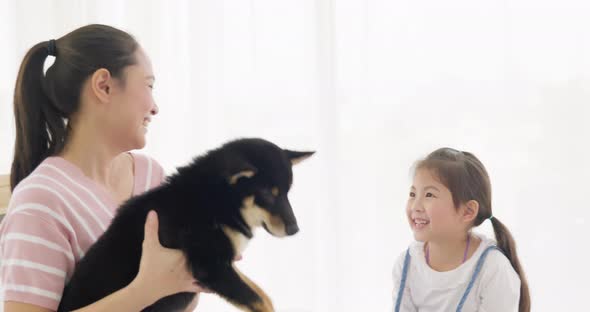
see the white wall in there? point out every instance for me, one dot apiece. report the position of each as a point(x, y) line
point(372, 86)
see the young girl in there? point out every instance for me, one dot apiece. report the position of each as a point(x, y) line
point(74, 127)
point(450, 268)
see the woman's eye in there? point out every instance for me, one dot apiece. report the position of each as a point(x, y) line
point(412, 194)
point(151, 86)
point(429, 195)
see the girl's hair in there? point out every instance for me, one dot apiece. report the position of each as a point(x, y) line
point(467, 179)
point(43, 103)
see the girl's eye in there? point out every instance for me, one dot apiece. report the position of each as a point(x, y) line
point(412, 194)
point(151, 86)
point(429, 195)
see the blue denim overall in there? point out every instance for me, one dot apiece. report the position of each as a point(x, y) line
point(478, 266)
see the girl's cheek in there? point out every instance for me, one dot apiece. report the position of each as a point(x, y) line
point(433, 212)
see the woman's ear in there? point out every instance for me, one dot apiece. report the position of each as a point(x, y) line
point(470, 211)
point(101, 84)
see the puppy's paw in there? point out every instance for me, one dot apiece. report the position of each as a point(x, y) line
point(263, 306)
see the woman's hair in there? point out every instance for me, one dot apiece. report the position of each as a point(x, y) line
point(467, 179)
point(44, 103)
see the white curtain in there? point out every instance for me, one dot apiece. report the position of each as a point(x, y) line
point(372, 86)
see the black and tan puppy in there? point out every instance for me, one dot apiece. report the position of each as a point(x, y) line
point(208, 210)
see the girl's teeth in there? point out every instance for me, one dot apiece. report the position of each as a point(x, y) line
point(420, 224)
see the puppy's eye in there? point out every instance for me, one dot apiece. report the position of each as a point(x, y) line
point(265, 197)
point(275, 191)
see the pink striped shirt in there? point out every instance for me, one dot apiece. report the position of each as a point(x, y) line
point(54, 216)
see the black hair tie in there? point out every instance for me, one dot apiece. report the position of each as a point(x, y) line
point(51, 48)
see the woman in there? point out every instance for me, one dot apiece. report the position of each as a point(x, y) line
point(74, 127)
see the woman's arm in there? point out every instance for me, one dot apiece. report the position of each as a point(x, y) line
point(130, 298)
point(159, 266)
point(12, 306)
point(126, 299)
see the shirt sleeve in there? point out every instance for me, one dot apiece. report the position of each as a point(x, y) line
point(161, 173)
point(158, 176)
point(407, 304)
point(35, 256)
point(500, 291)
point(149, 173)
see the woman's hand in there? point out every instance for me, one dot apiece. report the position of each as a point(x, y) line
point(162, 271)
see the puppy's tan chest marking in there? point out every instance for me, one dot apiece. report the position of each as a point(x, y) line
point(239, 241)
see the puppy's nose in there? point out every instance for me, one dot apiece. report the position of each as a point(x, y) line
point(292, 229)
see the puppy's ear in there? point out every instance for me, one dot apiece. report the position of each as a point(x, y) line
point(243, 170)
point(297, 157)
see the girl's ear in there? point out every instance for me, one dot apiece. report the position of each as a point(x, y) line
point(470, 211)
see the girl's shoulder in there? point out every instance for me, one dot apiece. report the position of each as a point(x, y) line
point(495, 258)
point(409, 255)
point(496, 269)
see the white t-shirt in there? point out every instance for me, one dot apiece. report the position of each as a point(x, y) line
point(497, 287)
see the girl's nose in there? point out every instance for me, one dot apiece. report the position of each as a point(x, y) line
point(417, 205)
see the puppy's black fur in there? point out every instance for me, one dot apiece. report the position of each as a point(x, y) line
point(208, 210)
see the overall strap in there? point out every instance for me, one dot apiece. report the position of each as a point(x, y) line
point(402, 283)
point(480, 262)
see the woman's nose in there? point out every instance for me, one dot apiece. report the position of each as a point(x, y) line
point(155, 109)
